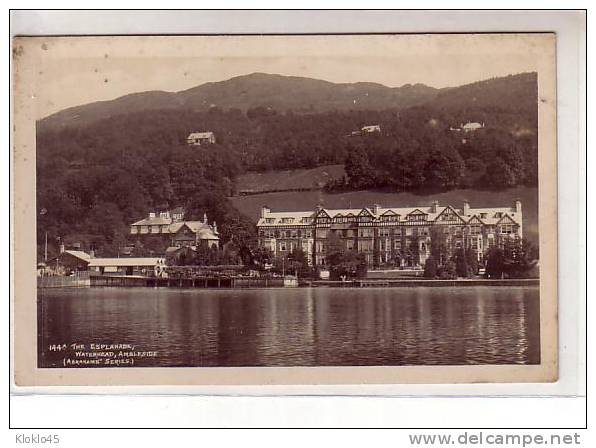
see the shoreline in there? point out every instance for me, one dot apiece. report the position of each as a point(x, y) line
point(359, 284)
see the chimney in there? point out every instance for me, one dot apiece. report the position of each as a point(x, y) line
point(435, 207)
point(319, 207)
point(62, 248)
point(265, 211)
point(375, 209)
point(214, 227)
point(92, 253)
point(204, 218)
point(466, 207)
point(517, 206)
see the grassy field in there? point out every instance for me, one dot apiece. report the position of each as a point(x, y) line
point(307, 200)
point(289, 179)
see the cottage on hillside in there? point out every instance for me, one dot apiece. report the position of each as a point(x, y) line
point(200, 138)
point(469, 127)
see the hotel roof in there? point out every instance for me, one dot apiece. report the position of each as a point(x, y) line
point(490, 216)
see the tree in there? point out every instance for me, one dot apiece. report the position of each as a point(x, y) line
point(475, 170)
point(262, 256)
point(513, 156)
point(472, 261)
point(447, 271)
point(358, 169)
point(499, 174)
point(430, 268)
point(466, 263)
point(438, 244)
point(298, 263)
point(444, 169)
point(520, 256)
point(349, 264)
point(495, 262)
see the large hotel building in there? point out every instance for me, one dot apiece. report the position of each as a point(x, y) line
point(392, 236)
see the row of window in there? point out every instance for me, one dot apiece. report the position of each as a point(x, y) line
point(382, 231)
point(286, 233)
point(149, 229)
point(290, 246)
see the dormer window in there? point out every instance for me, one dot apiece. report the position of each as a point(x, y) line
point(287, 220)
point(269, 220)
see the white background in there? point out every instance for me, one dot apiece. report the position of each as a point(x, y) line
point(558, 405)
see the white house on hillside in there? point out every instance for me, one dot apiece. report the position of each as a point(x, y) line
point(200, 138)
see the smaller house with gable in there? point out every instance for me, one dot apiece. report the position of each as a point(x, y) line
point(200, 138)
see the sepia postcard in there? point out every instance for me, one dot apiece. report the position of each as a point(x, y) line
point(284, 209)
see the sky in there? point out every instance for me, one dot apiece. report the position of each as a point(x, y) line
point(71, 71)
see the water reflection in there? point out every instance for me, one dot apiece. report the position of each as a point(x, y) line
point(299, 327)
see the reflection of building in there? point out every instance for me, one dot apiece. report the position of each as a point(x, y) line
point(171, 229)
point(390, 236)
point(200, 138)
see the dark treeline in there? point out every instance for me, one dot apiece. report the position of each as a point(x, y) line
point(94, 180)
point(441, 159)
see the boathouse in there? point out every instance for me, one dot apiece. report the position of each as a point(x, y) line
point(144, 266)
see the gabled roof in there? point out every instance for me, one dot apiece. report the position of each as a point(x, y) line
point(506, 219)
point(157, 221)
point(401, 211)
point(206, 134)
point(472, 125)
point(475, 220)
point(207, 234)
point(451, 210)
point(133, 261)
point(198, 227)
point(490, 218)
point(323, 212)
point(79, 254)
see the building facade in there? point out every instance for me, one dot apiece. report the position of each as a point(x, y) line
point(200, 138)
point(390, 237)
point(174, 231)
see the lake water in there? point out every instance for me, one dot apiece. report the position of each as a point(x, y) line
point(292, 327)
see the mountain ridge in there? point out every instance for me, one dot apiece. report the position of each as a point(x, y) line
point(299, 94)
